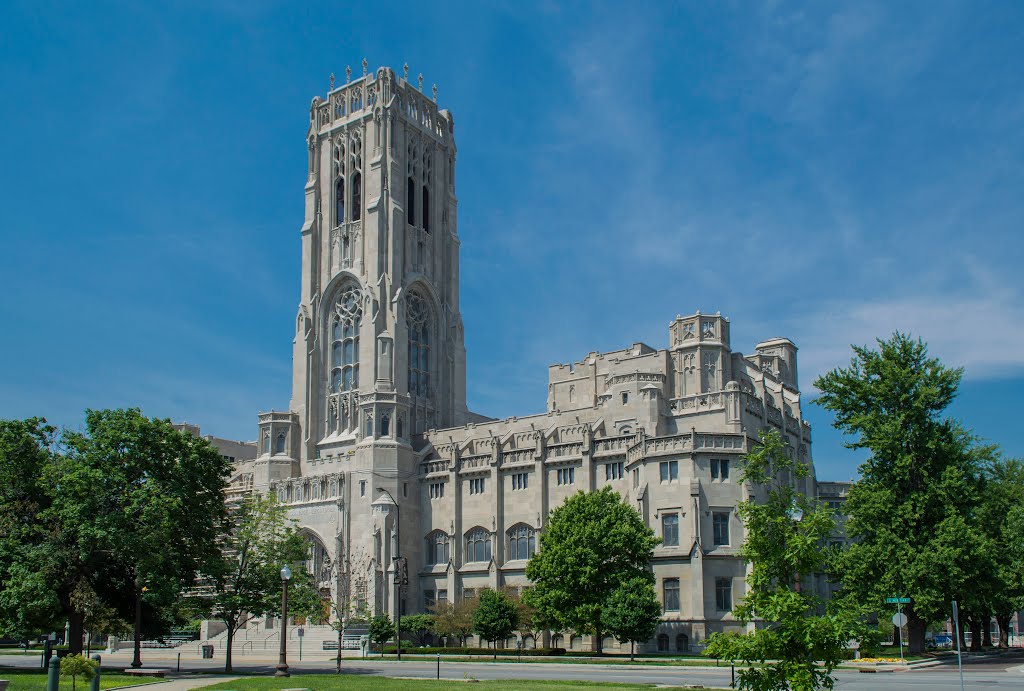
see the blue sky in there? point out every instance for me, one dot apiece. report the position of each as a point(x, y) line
point(828, 172)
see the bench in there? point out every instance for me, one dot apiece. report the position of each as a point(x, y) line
point(143, 672)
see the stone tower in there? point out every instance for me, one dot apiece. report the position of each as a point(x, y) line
point(378, 354)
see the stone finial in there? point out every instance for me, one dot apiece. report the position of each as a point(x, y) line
point(405, 71)
point(332, 81)
point(420, 78)
point(434, 89)
point(365, 65)
point(348, 74)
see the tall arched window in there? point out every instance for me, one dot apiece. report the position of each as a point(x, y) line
point(682, 643)
point(410, 201)
point(357, 196)
point(417, 319)
point(339, 202)
point(345, 340)
point(426, 208)
point(279, 445)
point(385, 425)
point(478, 545)
point(437, 548)
point(521, 542)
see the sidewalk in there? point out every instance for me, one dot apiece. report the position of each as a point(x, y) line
point(186, 683)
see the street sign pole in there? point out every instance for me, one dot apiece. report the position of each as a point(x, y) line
point(956, 632)
point(899, 611)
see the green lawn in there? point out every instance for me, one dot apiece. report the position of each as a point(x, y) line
point(345, 682)
point(531, 659)
point(23, 680)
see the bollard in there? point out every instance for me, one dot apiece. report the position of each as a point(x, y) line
point(179, 662)
point(732, 684)
point(53, 675)
point(95, 684)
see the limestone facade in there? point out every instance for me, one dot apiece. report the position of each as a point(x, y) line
point(378, 406)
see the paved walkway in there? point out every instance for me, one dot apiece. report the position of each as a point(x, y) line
point(186, 683)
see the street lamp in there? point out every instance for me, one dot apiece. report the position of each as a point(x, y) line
point(399, 575)
point(282, 662)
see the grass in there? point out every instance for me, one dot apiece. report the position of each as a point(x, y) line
point(346, 682)
point(650, 662)
point(25, 680)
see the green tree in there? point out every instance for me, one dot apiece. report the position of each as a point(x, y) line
point(101, 500)
point(75, 666)
point(1003, 587)
point(785, 531)
point(382, 629)
point(246, 580)
point(454, 620)
point(593, 543)
point(632, 613)
point(495, 617)
point(29, 602)
point(910, 514)
point(418, 625)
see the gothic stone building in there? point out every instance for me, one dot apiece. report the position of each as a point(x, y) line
point(378, 409)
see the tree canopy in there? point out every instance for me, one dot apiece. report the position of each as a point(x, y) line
point(785, 531)
point(911, 513)
point(593, 544)
point(246, 580)
point(495, 618)
point(86, 510)
point(632, 613)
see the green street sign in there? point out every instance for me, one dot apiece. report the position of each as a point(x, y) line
point(897, 600)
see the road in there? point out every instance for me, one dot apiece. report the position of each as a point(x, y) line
point(997, 673)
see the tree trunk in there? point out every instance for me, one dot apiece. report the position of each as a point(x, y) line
point(341, 631)
point(76, 626)
point(975, 624)
point(986, 631)
point(916, 628)
point(227, 653)
point(632, 650)
point(1003, 620)
point(598, 641)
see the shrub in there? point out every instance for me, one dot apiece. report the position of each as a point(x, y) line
point(536, 652)
point(75, 666)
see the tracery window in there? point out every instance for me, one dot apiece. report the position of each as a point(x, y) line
point(417, 317)
point(438, 547)
point(279, 445)
point(339, 186)
point(426, 209)
point(521, 542)
point(356, 165)
point(410, 200)
point(478, 545)
point(345, 323)
point(339, 202)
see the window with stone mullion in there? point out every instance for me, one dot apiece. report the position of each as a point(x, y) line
point(345, 342)
point(418, 322)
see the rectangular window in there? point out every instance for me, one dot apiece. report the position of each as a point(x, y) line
point(636, 477)
point(670, 529)
point(670, 594)
point(566, 476)
point(520, 480)
point(442, 597)
point(476, 485)
point(429, 599)
point(723, 594)
point(669, 471)
point(720, 523)
point(614, 471)
point(468, 593)
point(436, 490)
point(719, 468)
point(362, 488)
